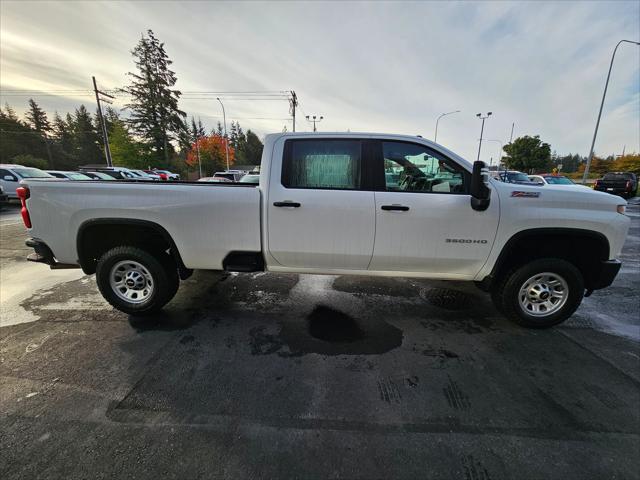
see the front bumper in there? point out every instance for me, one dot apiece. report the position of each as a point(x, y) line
point(43, 254)
point(608, 271)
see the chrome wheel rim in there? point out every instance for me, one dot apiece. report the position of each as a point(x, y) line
point(543, 294)
point(131, 281)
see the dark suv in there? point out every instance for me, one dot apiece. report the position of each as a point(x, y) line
point(624, 184)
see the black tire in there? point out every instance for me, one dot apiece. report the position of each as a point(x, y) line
point(506, 292)
point(160, 267)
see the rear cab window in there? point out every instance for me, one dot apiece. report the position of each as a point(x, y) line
point(334, 164)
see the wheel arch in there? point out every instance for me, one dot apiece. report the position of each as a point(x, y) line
point(95, 236)
point(584, 248)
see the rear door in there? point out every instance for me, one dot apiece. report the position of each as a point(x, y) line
point(424, 220)
point(320, 212)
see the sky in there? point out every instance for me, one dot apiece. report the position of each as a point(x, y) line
point(389, 67)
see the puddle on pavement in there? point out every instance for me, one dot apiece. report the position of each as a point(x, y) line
point(331, 325)
point(327, 331)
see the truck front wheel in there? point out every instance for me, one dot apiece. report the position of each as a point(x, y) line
point(135, 281)
point(541, 293)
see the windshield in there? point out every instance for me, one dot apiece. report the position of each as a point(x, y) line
point(78, 176)
point(513, 177)
point(102, 176)
point(558, 180)
point(32, 173)
point(250, 179)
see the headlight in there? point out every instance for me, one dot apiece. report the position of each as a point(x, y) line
point(622, 209)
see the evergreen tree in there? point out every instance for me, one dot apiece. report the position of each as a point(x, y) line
point(37, 118)
point(155, 115)
point(253, 149)
point(86, 146)
point(219, 130)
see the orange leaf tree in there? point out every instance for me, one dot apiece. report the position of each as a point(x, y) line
point(212, 154)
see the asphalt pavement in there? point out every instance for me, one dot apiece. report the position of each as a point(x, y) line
point(302, 376)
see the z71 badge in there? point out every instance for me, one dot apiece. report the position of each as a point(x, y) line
point(518, 193)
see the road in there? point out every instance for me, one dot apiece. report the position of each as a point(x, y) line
point(281, 376)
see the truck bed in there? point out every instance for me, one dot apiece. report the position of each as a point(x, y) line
point(206, 220)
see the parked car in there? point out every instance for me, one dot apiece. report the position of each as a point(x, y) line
point(624, 184)
point(69, 175)
point(552, 179)
point(3, 197)
point(321, 210)
point(98, 175)
point(170, 175)
point(512, 176)
point(119, 173)
point(250, 178)
point(215, 179)
point(145, 174)
point(233, 176)
point(161, 176)
point(11, 174)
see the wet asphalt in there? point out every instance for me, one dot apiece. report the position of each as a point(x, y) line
point(287, 376)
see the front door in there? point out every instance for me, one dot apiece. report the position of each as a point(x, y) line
point(320, 213)
point(424, 220)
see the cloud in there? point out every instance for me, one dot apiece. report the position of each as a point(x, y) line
point(390, 67)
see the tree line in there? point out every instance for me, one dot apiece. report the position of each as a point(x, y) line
point(529, 154)
point(154, 133)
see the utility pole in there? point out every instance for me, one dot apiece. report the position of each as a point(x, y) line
point(198, 151)
point(105, 135)
point(511, 137)
point(604, 94)
point(483, 118)
point(313, 120)
point(226, 139)
point(293, 103)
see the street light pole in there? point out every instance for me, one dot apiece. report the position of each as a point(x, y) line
point(483, 118)
point(226, 139)
point(435, 137)
point(604, 94)
point(314, 119)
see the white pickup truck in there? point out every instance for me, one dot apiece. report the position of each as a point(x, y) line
point(339, 204)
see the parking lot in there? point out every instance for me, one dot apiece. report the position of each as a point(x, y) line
point(280, 376)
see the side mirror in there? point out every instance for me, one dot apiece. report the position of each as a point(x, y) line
point(480, 193)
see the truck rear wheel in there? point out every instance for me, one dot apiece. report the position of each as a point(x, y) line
point(541, 293)
point(135, 281)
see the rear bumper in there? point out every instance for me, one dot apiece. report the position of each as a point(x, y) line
point(608, 271)
point(43, 254)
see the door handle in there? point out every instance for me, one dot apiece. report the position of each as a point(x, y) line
point(399, 208)
point(286, 204)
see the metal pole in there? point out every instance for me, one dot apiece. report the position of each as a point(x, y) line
point(199, 162)
point(511, 137)
point(105, 136)
point(226, 139)
point(604, 94)
point(480, 144)
point(435, 137)
point(313, 120)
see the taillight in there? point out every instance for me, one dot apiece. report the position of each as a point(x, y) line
point(628, 187)
point(23, 194)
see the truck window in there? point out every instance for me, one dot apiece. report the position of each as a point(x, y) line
point(410, 167)
point(322, 164)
